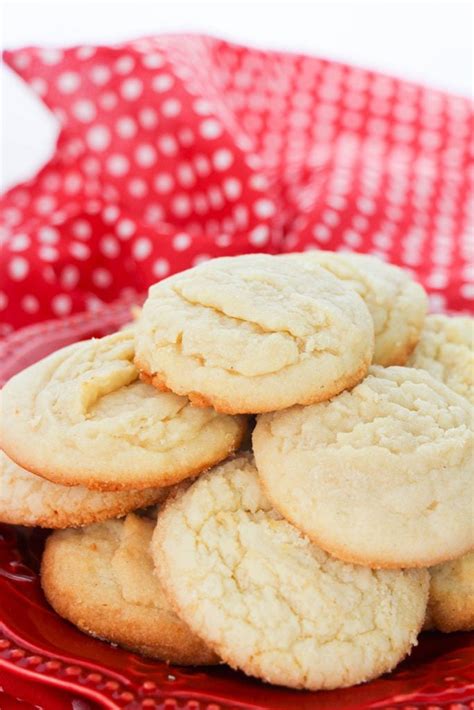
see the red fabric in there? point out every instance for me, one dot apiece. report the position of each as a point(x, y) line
point(174, 149)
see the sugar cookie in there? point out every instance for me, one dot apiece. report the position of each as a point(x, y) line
point(446, 351)
point(451, 600)
point(253, 333)
point(82, 417)
point(381, 475)
point(101, 579)
point(396, 303)
point(26, 499)
point(270, 602)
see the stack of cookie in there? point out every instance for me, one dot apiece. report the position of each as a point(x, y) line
point(304, 562)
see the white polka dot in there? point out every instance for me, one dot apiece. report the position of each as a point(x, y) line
point(185, 175)
point(145, 155)
point(200, 203)
point(168, 145)
point(181, 205)
point(98, 137)
point(3, 301)
point(232, 188)
point(142, 248)
point(153, 214)
point(117, 165)
point(69, 276)
point(108, 100)
point(45, 204)
point(163, 183)
point(102, 278)
point(321, 233)
point(50, 56)
point(39, 86)
point(84, 111)
point(202, 107)
point(91, 166)
point(100, 74)
point(131, 89)
point(138, 188)
point(20, 242)
point(171, 108)
point(30, 304)
point(223, 240)
point(72, 183)
point(61, 304)
point(124, 65)
point(48, 253)
point(161, 268)
point(186, 137)
point(125, 228)
point(81, 229)
point(80, 250)
point(259, 235)
point(126, 127)
point(153, 61)
point(264, 208)
point(467, 291)
point(203, 166)
point(148, 118)
point(68, 82)
point(162, 82)
point(215, 197)
point(181, 241)
point(210, 128)
point(110, 214)
point(85, 52)
point(18, 268)
point(48, 235)
point(331, 217)
point(109, 246)
point(222, 159)
point(241, 215)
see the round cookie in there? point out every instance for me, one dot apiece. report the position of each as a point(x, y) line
point(446, 351)
point(451, 600)
point(396, 303)
point(380, 475)
point(82, 417)
point(26, 499)
point(101, 579)
point(270, 602)
point(253, 334)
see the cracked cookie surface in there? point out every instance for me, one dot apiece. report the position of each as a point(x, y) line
point(101, 579)
point(26, 499)
point(380, 475)
point(451, 600)
point(396, 303)
point(82, 417)
point(253, 333)
point(446, 351)
point(269, 601)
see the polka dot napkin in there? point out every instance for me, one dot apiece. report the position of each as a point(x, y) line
point(175, 149)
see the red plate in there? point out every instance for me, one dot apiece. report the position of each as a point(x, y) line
point(47, 663)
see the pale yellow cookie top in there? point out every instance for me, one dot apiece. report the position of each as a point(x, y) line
point(451, 601)
point(101, 578)
point(380, 475)
point(446, 350)
point(254, 333)
point(396, 303)
point(268, 600)
point(26, 499)
point(82, 416)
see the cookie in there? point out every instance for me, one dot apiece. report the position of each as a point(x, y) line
point(451, 600)
point(26, 499)
point(446, 351)
point(380, 475)
point(101, 579)
point(253, 334)
point(82, 417)
point(396, 303)
point(269, 601)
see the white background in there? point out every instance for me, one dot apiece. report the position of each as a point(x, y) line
point(430, 42)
